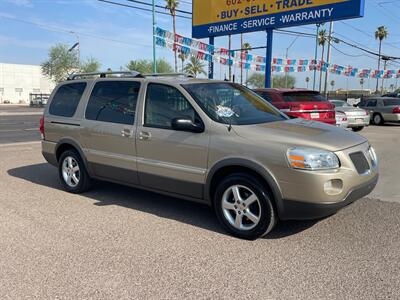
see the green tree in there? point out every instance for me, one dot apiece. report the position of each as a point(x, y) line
point(61, 63)
point(195, 67)
point(183, 57)
point(380, 34)
point(145, 66)
point(90, 65)
point(257, 80)
point(172, 6)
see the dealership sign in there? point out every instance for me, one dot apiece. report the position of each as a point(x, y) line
point(223, 17)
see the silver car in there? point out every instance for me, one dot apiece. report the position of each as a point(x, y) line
point(357, 118)
point(382, 109)
point(341, 120)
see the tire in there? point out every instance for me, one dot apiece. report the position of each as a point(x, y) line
point(70, 163)
point(232, 210)
point(377, 119)
point(357, 129)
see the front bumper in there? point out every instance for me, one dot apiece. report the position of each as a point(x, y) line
point(297, 210)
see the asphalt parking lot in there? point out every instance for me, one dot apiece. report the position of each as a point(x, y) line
point(119, 242)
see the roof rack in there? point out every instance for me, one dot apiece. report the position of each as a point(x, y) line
point(168, 75)
point(134, 74)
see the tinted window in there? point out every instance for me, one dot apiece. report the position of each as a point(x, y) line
point(265, 96)
point(165, 103)
point(371, 103)
point(230, 103)
point(391, 102)
point(66, 99)
point(114, 102)
point(303, 97)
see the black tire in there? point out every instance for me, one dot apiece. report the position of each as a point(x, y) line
point(265, 207)
point(84, 182)
point(377, 119)
point(357, 129)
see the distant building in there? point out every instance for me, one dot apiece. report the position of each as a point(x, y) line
point(18, 81)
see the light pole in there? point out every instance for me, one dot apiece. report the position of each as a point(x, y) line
point(385, 59)
point(77, 45)
point(154, 37)
point(328, 57)
point(287, 56)
point(316, 56)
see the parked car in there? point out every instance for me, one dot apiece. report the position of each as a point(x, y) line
point(341, 120)
point(382, 109)
point(212, 142)
point(357, 118)
point(392, 95)
point(300, 103)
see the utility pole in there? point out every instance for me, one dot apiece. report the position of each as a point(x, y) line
point(230, 57)
point(385, 59)
point(287, 57)
point(316, 57)
point(241, 58)
point(328, 58)
point(154, 37)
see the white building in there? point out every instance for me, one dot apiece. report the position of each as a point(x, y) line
point(18, 81)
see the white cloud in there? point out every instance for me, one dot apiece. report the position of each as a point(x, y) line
point(25, 3)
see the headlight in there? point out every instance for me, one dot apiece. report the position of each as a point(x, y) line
point(373, 156)
point(312, 159)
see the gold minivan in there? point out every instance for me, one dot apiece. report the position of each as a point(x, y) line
point(212, 142)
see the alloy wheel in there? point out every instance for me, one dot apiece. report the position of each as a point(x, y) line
point(241, 207)
point(71, 172)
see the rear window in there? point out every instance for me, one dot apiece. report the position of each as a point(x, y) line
point(391, 102)
point(66, 99)
point(303, 97)
point(265, 95)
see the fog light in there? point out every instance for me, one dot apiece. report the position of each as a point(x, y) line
point(333, 187)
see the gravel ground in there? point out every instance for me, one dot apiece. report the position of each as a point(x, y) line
point(121, 243)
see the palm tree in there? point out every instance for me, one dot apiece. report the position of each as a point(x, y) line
point(322, 39)
point(380, 34)
point(308, 81)
point(172, 5)
point(247, 48)
point(183, 57)
point(333, 84)
point(194, 67)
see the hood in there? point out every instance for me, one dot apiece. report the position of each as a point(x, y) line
point(302, 133)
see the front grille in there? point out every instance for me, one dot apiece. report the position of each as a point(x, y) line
point(360, 162)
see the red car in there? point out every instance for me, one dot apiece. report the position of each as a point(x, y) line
point(301, 103)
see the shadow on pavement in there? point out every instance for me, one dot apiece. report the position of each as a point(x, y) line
point(106, 193)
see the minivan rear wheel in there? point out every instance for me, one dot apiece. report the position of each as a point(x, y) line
point(244, 207)
point(377, 119)
point(72, 173)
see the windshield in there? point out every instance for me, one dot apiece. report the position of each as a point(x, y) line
point(303, 97)
point(391, 102)
point(230, 103)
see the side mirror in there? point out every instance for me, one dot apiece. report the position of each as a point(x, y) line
point(186, 124)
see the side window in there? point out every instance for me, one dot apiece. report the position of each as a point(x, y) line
point(66, 99)
point(113, 102)
point(165, 103)
point(371, 103)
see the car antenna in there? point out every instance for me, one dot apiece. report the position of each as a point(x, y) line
point(230, 124)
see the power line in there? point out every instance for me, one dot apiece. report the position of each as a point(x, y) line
point(141, 8)
point(159, 6)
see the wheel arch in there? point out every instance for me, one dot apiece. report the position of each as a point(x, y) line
point(69, 144)
point(239, 165)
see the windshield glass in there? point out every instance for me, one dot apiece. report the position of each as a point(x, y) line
point(391, 102)
point(303, 97)
point(230, 103)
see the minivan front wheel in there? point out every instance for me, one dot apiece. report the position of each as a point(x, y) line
point(72, 173)
point(244, 207)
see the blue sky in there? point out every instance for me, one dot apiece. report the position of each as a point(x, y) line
point(114, 35)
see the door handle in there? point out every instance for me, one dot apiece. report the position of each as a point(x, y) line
point(126, 132)
point(144, 136)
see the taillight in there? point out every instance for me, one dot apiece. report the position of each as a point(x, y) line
point(41, 126)
point(396, 110)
